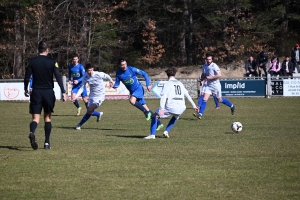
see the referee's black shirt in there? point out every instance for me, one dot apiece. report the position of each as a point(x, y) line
point(42, 69)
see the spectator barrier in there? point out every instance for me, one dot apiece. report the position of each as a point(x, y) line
point(13, 89)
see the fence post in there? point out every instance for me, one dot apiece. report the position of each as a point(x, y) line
point(269, 87)
point(64, 79)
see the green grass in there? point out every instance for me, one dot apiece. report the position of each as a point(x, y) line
point(202, 159)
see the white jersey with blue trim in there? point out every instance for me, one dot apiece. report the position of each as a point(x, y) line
point(211, 70)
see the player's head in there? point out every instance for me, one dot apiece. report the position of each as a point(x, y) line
point(171, 71)
point(75, 59)
point(209, 58)
point(251, 58)
point(89, 68)
point(122, 64)
point(43, 47)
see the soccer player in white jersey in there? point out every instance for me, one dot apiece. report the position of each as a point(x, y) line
point(97, 91)
point(172, 102)
point(211, 72)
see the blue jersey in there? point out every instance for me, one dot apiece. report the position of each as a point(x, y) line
point(129, 79)
point(76, 72)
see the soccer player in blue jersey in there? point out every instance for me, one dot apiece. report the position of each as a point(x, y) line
point(212, 73)
point(97, 92)
point(76, 72)
point(128, 76)
point(172, 103)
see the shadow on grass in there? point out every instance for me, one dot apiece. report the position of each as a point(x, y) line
point(231, 133)
point(128, 136)
point(64, 115)
point(189, 119)
point(82, 129)
point(14, 148)
point(134, 136)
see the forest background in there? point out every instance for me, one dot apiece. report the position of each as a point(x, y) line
point(150, 34)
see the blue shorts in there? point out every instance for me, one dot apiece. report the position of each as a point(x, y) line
point(139, 95)
point(76, 89)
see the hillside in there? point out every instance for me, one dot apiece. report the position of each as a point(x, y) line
point(228, 70)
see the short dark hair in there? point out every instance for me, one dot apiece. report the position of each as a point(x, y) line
point(88, 66)
point(171, 71)
point(121, 60)
point(75, 55)
point(42, 46)
point(209, 54)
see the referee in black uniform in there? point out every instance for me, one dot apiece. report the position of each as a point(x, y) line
point(42, 69)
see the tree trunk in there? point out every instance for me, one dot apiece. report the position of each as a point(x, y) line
point(83, 39)
point(190, 48)
point(18, 67)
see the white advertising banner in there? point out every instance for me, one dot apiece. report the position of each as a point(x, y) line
point(291, 87)
point(15, 91)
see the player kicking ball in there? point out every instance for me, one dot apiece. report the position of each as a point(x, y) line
point(172, 103)
point(97, 92)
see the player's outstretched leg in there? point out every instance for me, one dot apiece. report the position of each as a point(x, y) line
point(229, 104)
point(98, 115)
point(143, 109)
point(83, 120)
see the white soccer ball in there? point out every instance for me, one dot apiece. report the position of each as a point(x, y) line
point(237, 127)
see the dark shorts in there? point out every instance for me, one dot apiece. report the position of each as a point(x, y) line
point(42, 99)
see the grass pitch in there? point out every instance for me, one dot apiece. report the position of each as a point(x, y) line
point(202, 159)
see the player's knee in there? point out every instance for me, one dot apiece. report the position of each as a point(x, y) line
point(132, 101)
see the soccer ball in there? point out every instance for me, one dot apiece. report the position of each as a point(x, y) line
point(236, 127)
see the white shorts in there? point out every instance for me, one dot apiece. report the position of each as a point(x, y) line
point(213, 89)
point(95, 100)
point(167, 113)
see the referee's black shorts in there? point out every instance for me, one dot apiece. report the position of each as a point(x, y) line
point(42, 99)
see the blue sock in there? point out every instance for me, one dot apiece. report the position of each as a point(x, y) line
point(140, 107)
point(84, 119)
point(216, 101)
point(203, 107)
point(153, 125)
point(96, 113)
point(171, 123)
point(76, 104)
point(200, 100)
point(226, 102)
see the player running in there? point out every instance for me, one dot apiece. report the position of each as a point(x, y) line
point(211, 72)
point(76, 72)
point(128, 76)
point(172, 102)
point(97, 92)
